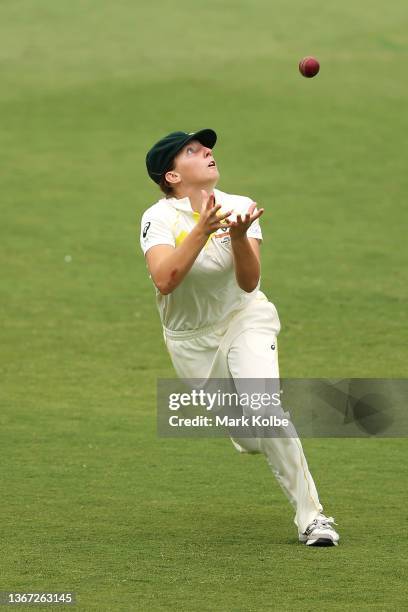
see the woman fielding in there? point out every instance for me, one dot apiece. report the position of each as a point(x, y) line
point(202, 250)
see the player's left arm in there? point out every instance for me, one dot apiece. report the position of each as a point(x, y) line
point(245, 250)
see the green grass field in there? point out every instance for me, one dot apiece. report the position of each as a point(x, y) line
point(92, 500)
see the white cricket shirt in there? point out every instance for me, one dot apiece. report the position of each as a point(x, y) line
point(209, 292)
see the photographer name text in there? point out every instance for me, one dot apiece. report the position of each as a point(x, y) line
point(226, 421)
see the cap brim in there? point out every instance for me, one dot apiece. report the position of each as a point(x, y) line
point(207, 137)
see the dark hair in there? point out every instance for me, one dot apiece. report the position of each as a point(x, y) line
point(165, 187)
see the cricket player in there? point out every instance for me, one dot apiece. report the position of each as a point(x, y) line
point(202, 251)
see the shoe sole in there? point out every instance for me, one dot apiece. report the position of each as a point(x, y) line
point(321, 542)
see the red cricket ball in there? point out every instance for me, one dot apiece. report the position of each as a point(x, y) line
point(309, 66)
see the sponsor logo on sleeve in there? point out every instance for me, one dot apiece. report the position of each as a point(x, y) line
point(146, 229)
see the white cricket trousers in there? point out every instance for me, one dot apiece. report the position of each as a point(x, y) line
point(242, 347)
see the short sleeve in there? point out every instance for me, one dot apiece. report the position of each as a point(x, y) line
point(254, 231)
point(154, 230)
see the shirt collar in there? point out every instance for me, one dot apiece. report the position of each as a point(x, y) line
point(185, 204)
point(182, 204)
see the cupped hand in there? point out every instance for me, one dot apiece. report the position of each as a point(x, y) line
point(210, 221)
point(239, 228)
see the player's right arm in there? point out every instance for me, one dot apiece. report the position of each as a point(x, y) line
point(168, 265)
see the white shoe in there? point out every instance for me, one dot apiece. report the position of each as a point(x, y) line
point(320, 532)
